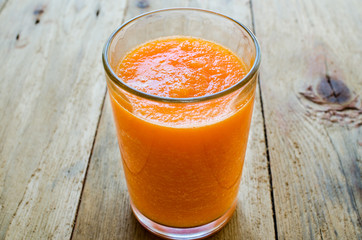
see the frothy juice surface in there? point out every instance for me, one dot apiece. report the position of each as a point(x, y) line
point(181, 68)
point(182, 161)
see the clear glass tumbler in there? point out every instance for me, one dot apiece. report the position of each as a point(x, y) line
point(183, 176)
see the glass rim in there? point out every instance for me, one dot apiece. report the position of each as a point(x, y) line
point(245, 80)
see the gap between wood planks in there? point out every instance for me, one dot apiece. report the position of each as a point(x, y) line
point(265, 136)
point(94, 139)
point(88, 163)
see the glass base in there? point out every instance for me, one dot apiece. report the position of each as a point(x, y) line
point(183, 233)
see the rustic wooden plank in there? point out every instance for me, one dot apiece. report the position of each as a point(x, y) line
point(51, 92)
point(253, 218)
point(311, 89)
point(104, 211)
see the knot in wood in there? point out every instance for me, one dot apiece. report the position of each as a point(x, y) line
point(333, 91)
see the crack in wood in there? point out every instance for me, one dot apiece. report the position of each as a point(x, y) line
point(320, 232)
point(331, 85)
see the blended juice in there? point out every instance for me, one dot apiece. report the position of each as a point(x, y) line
point(183, 161)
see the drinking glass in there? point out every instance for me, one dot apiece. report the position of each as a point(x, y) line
point(182, 173)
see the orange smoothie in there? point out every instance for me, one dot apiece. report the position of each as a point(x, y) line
point(182, 161)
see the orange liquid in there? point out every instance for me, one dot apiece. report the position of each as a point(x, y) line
point(183, 162)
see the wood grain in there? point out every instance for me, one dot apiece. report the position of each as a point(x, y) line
point(51, 92)
point(55, 133)
point(312, 55)
point(104, 211)
point(2, 4)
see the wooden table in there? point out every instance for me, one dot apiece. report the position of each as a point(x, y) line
point(60, 176)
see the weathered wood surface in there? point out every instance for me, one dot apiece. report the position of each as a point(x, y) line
point(105, 212)
point(311, 89)
point(60, 176)
point(51, 93)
